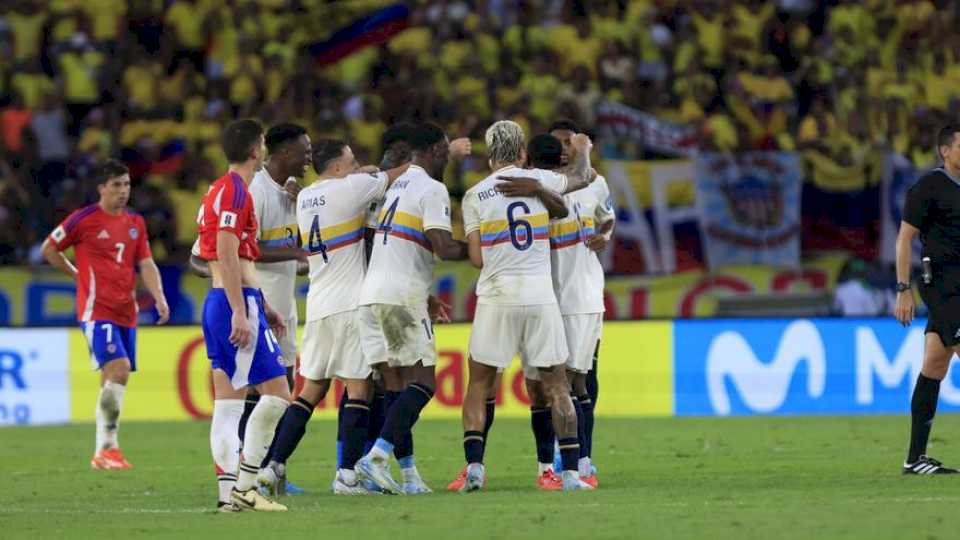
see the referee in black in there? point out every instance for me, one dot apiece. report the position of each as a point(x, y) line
point(932, 210)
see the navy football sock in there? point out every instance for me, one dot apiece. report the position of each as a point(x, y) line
point(404, 413)
point(473, 446)
point(581, 424)
point(491, 414)
point(593, 385)
point(541, 420)
point(375, 422)
point(248, 404)
point(569, 453)
point(343, 402)
point(586, 443)
point(292, 427)
point(353, 431)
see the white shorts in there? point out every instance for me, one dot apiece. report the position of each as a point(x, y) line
point(583, 332)
point(288, 343)
point(331, 348)
point(399, 335)
point(534, 332)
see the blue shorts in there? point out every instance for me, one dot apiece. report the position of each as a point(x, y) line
point(261, 360)
point(108, 341)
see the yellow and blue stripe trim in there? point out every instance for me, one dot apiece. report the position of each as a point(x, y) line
point(569, 233)
point(338, 236)
point(285, 236)
point(498, 231)
point(406, 226)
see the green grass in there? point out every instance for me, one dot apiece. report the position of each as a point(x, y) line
point(665, 478)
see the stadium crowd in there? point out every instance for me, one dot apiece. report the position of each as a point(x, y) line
point(154, 81)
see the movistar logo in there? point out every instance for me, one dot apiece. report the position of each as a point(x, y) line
point(763, 386)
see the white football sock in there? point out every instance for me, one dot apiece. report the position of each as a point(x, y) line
point(410, 474)
point(225, 443)
point(109, 404)
point(543, 467)
point(583, 466)
point(261, 426)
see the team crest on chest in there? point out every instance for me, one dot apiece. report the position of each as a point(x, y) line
point(134, 232)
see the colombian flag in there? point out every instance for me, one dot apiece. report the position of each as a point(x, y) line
point(373, 29)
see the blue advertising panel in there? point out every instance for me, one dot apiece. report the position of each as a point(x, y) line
point(800, 366)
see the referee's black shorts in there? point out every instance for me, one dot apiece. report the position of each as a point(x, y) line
point(942, 298)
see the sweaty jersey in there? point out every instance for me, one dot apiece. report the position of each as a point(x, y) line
point(577, 273)
point(277, 227)
point(227, 206)
point(107, 248)
point(401, 265)
point(514, 239)
point(331, 215)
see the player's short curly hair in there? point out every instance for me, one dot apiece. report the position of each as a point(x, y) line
point(281, 134)
point(544, 152)
point(504, 141)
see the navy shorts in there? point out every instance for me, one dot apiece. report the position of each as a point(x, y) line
point(261, 360)
point(108, 341)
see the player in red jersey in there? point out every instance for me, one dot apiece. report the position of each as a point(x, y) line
point(109, 243)
point(237, 323)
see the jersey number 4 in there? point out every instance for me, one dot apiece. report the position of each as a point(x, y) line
point(315, 242)
point(386, 224)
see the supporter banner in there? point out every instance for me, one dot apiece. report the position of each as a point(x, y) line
point(47, 298)
point(173, 383)
point(899, 175)
point(825, 366)
point(841, 204)
point(749, 208)
point(33, 377)
point(616, 121)
point(657, 227)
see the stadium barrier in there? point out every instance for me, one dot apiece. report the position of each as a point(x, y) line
point(647, 368)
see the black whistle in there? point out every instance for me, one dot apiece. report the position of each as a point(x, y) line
point(926, 270)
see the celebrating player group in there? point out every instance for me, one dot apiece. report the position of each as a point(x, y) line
point(368, 237)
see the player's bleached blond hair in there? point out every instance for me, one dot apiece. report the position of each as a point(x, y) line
point(504, 141)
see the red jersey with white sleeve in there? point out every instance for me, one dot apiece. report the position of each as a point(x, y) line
point(227, 206)
point(107, 249)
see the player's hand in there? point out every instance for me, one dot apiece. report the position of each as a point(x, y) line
point(597, 243)
point(438, 309)
point(275, 322)
point(905, 307)
point(518, 186)
point(368, 169)
point(581, 143)
point(292, 187)
point(240, 331)
point(460, 148)
point(163, 311)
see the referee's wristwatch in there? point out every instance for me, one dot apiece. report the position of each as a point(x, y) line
point(902, 287)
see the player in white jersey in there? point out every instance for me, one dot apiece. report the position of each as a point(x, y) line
point(396, 320)
point(578, 282)
point(517, 310)
point(330, 215)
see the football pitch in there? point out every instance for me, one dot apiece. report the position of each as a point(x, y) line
point(802, 477)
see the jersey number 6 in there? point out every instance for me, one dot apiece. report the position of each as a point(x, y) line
point(517, 224)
